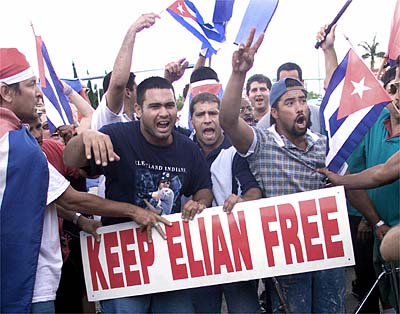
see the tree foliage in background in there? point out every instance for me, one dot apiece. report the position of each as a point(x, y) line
point(179, 102)
point(313, 95)
point(372, 52)
point(93, 94)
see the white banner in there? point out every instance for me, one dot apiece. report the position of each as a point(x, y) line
point(283, 235)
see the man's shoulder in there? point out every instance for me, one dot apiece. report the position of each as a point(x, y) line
point(181, 139)
point(120, 127)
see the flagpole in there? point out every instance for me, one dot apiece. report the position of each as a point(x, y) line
point(337, 17)
point(33, 29)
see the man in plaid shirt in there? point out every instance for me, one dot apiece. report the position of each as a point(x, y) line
point(284, 159)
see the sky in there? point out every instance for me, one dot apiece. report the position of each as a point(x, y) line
point(90, 33)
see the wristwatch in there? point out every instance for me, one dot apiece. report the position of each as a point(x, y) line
point(379, 223)
point(76, 218)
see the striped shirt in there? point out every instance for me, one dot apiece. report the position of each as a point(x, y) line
point(281, 168)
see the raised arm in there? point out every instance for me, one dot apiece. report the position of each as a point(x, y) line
point(173, 71)
point(236, 128)
point(123, 62)
point(85, 109)
point(328, 48)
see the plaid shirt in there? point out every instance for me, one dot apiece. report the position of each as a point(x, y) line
point(281, 168)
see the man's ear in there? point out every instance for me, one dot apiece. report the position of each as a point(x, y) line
point(5, 92)
point(274, 113)
point(138, 110)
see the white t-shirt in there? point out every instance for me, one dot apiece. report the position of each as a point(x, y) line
point(103, 115)
point(50, 261)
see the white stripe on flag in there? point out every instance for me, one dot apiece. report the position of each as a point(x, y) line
point(4, 148)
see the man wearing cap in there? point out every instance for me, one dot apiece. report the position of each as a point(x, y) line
point(18, 97)
point(164, 196)
point(284, 158)
point(31, 256)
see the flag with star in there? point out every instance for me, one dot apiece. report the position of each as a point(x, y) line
point(206, 25)
point(352, 103)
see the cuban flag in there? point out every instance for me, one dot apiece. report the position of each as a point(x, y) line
point(210, 86)
point(196, 17)
point(352, 103)
point(23, 195)
point(394, 39)
point(258, 14)
point(58, 110)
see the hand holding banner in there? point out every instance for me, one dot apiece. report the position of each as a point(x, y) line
point(295, 233)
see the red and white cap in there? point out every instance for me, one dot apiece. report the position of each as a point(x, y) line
point(14, 67)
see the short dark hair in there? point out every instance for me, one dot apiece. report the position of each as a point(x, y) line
point(150, 83)
point(261, 78)
point(202, 98)
point(289, 66)
point(203, 73)
point(129, 84)
point(388, 76)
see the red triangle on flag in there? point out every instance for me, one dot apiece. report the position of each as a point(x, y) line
point(206, 88)
point(179, 7)
point(360, 88)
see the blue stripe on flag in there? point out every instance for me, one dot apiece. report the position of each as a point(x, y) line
point(56, 97)
point(22, 212)
point(222, 11)
point(210, 33)
point(355, 137)
point(194, 31)
point(258, 14)
point(343, 134)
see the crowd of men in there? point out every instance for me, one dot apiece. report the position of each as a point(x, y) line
point(263, 143)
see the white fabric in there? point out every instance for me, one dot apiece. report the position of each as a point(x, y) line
point(221, 175)
point(50, 261)
point(103, 115)
point(19, 77)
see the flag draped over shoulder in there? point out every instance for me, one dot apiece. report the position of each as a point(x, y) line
point(394, 40)
point(352, 103)
point(196, 18)
point(23, 195)
point(58, 110)
point(210, 86)
point(258, 14)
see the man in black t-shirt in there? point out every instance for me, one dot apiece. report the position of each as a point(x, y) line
point(133, 156)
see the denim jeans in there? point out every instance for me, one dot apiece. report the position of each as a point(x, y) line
point(179, 301)
point(241, 297)
point(313, 292)
point(46, 307)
